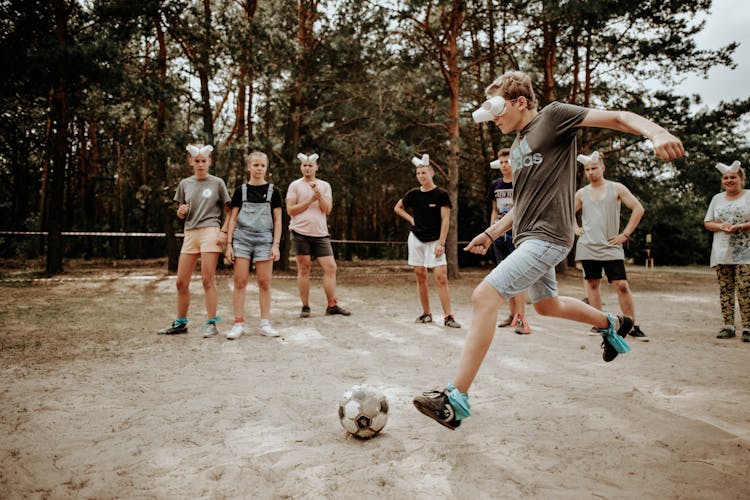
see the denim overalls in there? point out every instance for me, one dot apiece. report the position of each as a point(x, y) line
point(254, 222)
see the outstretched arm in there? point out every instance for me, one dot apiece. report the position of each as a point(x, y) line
point(667, 147)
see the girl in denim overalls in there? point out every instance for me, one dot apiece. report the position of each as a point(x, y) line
point(254, 234)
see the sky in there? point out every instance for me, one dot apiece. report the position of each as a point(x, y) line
point(728, 21)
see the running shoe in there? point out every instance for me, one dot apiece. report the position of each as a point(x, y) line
point(522, 326)
point(305, 313)
point(727, 332)
point(425, 318)
point(636, 333)
point(336, 309)
point(236, 332)
point(209, 329)
point(435, 405)
point(506, 322)
point(177, 328)
point(746, 335)
point(268, 331)
point(623, 324)
point(451, 322)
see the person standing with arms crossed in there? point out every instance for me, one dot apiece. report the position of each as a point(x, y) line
point(201, 198)
point(543, 156)
point(308, 202)
point(431, 207)
point(600, 240)
point(254, 234)
point(501, 196)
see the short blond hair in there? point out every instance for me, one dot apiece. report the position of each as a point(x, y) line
point(512, 85)
point(256, 154)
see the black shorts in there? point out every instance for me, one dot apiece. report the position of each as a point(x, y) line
point(614, 269)
point(315, 246)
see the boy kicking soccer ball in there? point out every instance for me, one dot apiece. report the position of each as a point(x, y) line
point(543, 156)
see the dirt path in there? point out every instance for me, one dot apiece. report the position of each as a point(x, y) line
point(93, 404)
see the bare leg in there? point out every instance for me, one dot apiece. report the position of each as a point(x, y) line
point(424, 295)
point(440, 274)
point(241, 275)
point(303, 278)
point(208, 274)
point(328, 264)
point(572, 309)
point(263, 271)
point(485, 302)
point(185, 268)
point(625, 298)
point(594, 294)
point(517, 304)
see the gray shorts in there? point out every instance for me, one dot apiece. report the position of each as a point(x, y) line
point(530, 267)
point(315, 246)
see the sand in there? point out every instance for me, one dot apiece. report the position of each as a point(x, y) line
point(94, 404)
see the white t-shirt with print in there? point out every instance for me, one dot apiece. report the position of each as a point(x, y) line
point(730, 248)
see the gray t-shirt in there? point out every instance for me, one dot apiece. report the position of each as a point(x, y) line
point(206, 198)
point(543, 157)
point(601, 221)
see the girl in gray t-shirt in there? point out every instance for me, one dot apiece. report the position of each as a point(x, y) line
point(202, 198)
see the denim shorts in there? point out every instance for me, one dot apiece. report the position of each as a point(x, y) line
point(530, 267)
point(255, 247)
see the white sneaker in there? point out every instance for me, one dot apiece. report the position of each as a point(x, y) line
point(268, 331)
point(236, 332)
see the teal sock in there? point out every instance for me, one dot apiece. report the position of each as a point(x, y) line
point(617, 342)
point(460, 403)
point(181, 321)
point(213, 320)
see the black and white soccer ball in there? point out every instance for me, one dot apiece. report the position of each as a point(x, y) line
point(363, 411)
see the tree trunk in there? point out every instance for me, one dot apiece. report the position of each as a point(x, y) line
point(161, 160)
point(60, 118)
point(453, 77)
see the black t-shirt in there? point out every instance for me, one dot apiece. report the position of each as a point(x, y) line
point(425, 208)
point(256, 194)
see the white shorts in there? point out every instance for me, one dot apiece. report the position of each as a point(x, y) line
point(423, 254)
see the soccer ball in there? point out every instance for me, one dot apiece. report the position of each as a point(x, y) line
point(363, 411)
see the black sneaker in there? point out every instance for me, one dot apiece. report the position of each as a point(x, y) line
point(727, 332)
point(305, 312)
point(425, 318)
point(638, 334)
point(625, 325)
point(746, 335)
point(435, 405)
point(337, 309)
point(177, 328)
point(506, 322)
point(451, 322)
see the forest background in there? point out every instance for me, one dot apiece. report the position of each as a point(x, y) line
point(100, 98)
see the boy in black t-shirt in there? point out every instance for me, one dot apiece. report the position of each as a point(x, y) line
point(431, 209)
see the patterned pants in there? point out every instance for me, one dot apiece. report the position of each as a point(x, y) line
point(734, 277)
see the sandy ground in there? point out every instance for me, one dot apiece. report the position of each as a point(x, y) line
point(93, 404)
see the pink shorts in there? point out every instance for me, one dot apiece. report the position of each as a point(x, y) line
point(201, 240)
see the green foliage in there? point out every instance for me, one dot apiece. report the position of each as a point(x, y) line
point(372, 94)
